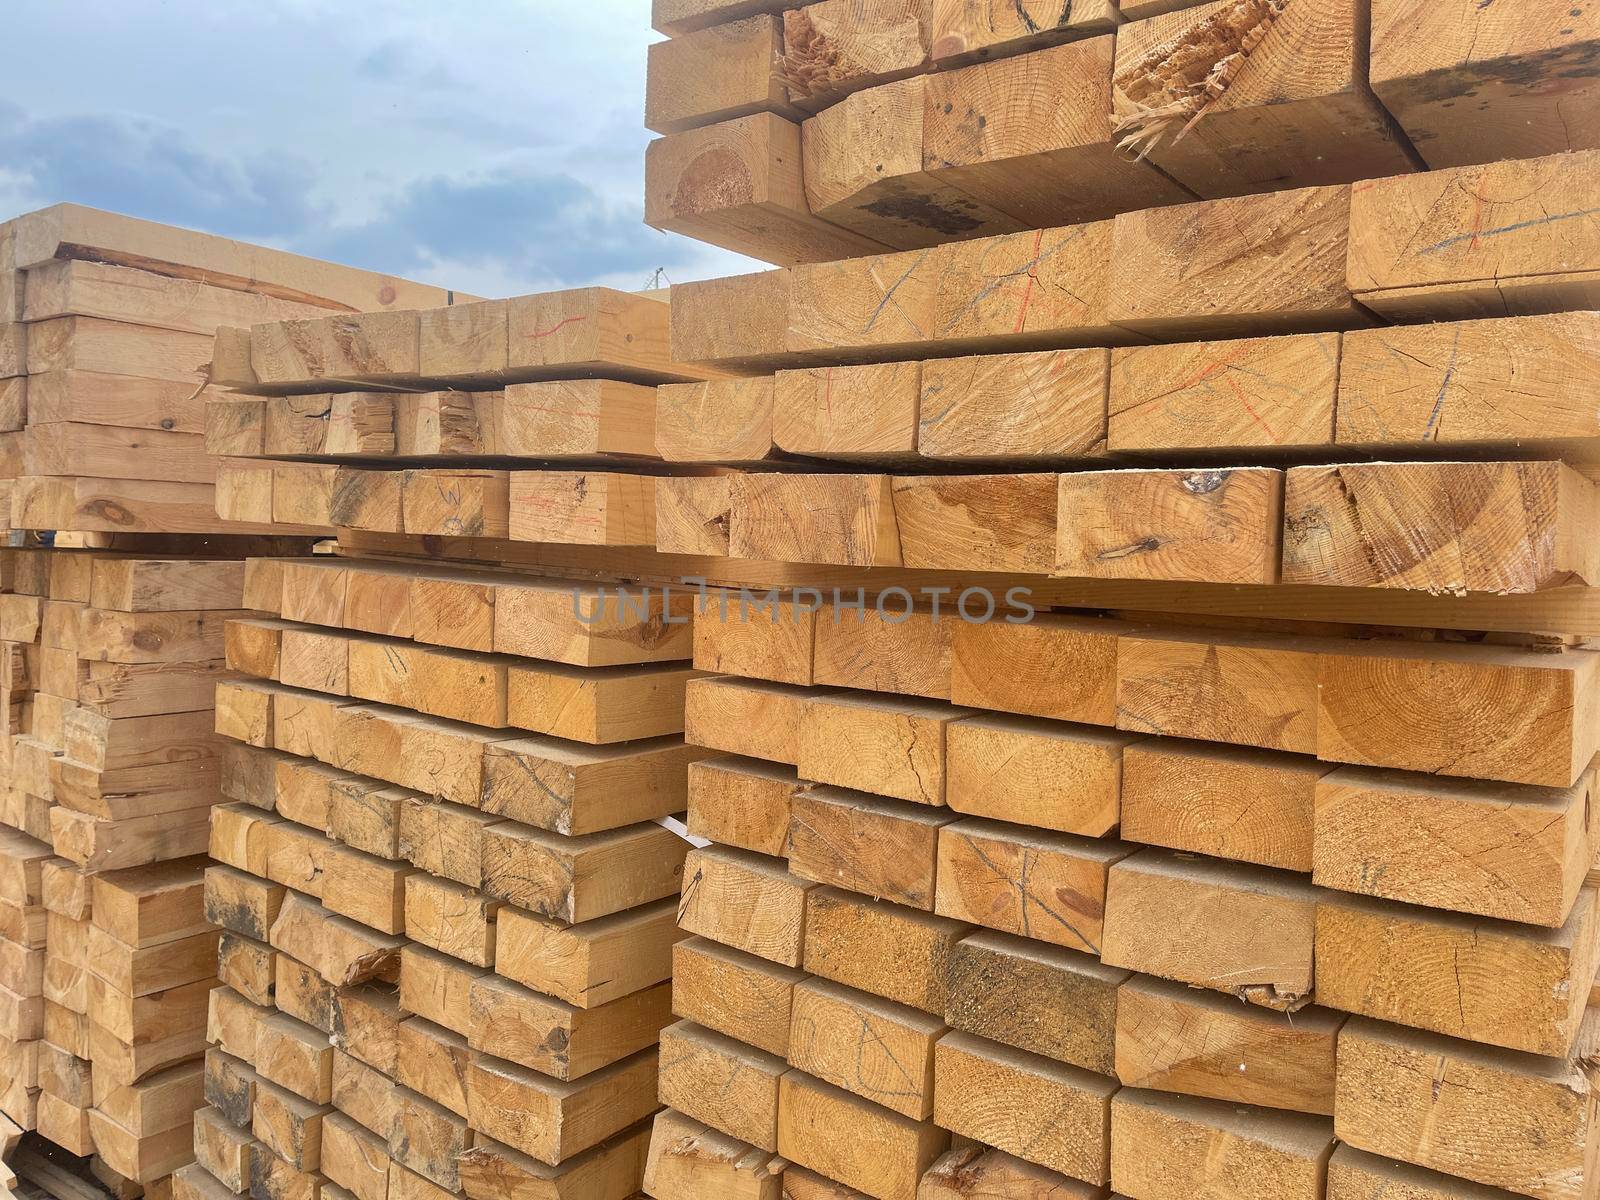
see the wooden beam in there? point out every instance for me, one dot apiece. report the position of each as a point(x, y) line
point(716, 74)
point(968, 29)
point(1440, 526)
point(887, 1158)
point(1427, 247)
point(1519, 87)
point(746, 998)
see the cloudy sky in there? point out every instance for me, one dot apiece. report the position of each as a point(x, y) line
point(493, 146)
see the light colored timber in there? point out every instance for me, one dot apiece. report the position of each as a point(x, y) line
point(688, 1160)
point(1482, 241)
point(1046, 404)
point(693, 513)
point(746, 901)
point(866, 412)
point(552, 1121)
point(864, 171)
point(884, 849)
point(1294, 109)
point(733, 993)
point(1451, 384)
point(1049, 886)
point(1223, 526)
point(1003, 523)
point(592, 963)
point(1251, 806)
point(1440, 526)
point(1516, 1121)
point(1057, 666)
point(741, 802)
point(716, 74)
point(886, 1159)
point(1032, 134)
point(1243, 265)
point(717, 421)
point(1239, 929)
point(749, 717)
point(1468, 88)
point(1356, 1175)
point(1059, 1116)
point(589, 508)
point(895, 650)
point(980, 28)
point(718, 1080)
point(72, 231)
point(1185, 1040)
point(767, 641)
point(1164, 1146)
point(835, 47)
point(884, 745)
point(1518, 986)
point(1250, 396)
point(844, 519)
point(1513, 852)
point(765, 213)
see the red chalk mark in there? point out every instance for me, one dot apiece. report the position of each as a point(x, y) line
point(558, 326)
point(1254, 416)
point(1477, 220)
point(1033, 277)
point(1208, 371)
point(1365, 186)
point(827, 393)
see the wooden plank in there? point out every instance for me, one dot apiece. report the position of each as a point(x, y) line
point(547, 1035)
point(584, 508)
point(1243, 930)
point(689, 1160)
point(1254, 806)
point(832, 48)
point(1060, 1116)
point(1248, 689)
point(1355, 1175)
point(887, 648)
point(1278, 113)
point(693, 513)
point(1493, 982)
point(741, 802)
point(1008, 989)
point(888, 746)
point(1539, 707)
point(576, 790)
point(1222, 526)
point(451, 918)
point(749, 717)
point(1163, 1146)
point(766, 215)
point(964, 29)
point(1003, 523)
point(715, 1079)
point(1037, 773)
point(576, 879)
point(1045, 404)
point(864, 172)
point(1424, 64)
point(71, 230)
point(464, 339)
point(1234, 267)
point(1180, 1039)
point(1244, 397)
point(1439, 526)
point(844, 519)
point(743, 997)
point(1484, 241)
point(1515, 853)
point(1057, 666)
point(1049, 886)
point(892, 1067)
point(1032, 134)
point(898, 953)
point(717, 421)
point(716, 74)
point(592, 963)
point(865, 413)
point(609, 1171)
point(1528, 1117)
point(885, 849)
point(766, 640)
point(746, 901)
point(550, 1120)
point(886, 1159)
point(1447, 384)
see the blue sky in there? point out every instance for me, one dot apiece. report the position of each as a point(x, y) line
point(493, 146)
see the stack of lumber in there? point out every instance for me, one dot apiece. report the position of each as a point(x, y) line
point(445, 884)
point(106, 332)
point(113, 648)
point(530, 419)
point(110, 772)
point(1154, 697)
point(806, 132)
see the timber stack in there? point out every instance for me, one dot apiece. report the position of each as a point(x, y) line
point(117, 590)
point(448, 871)
point(1196, 798)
